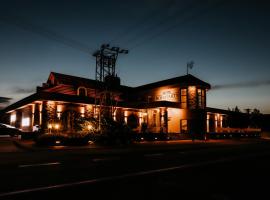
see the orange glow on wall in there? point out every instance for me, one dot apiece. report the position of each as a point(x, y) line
point(168, 94)
point(82, 111)
point(40, 114)
point(174, 117)
point(59, 108)
point(50, 126)
point(56, 126)
point(125, 115)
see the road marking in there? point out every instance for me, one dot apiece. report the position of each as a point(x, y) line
point(105, 159)
point(181, 152)
point(154, 155)
point(40, 164)
point(129, 175)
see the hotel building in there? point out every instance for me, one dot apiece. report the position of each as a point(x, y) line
point(176, 106)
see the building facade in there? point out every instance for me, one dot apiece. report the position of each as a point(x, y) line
point(176, 106)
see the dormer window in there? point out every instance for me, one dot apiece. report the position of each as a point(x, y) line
point(82, 91)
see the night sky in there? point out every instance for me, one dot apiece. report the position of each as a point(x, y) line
point(228, 41)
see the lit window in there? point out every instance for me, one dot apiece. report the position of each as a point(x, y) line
point(12, 118)
point(26, 121)
point(199, 92)
point(183, 98)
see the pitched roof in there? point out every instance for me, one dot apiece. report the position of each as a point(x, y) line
point(79, 81)
point(49, 96)
point(187, 80)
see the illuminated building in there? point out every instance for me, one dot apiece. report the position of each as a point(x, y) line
point(176, 106)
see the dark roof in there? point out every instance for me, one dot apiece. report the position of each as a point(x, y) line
point(221, 111)
point(187, 80)
point(79, 81)
point(49, 96)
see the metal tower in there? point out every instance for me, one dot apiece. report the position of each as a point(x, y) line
point(106, 58)
point(107, 80)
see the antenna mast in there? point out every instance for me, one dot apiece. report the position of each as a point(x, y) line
point(190, 65)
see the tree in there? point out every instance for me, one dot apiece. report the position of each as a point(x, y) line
point(256, 118)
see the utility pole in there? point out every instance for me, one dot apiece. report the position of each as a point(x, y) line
point(107, 80)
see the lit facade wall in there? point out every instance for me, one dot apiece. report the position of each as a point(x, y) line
point(174, 117)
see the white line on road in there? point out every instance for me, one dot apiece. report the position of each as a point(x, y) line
point(105, 159)
point(181, 152)
point(154, 155)
point(40, 164)
point(119, 177)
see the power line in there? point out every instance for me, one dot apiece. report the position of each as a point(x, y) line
point(186, 20)
point(143, 21)
point(179, 12)
point(23, 24)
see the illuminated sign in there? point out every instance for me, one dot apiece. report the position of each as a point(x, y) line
point(168, 95)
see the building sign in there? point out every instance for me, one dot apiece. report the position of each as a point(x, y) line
point(168, 95)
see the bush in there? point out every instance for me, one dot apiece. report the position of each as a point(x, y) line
point(113, 133)
point(76, 140)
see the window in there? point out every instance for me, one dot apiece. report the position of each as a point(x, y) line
point(82, 91)
point(12, 118)
point(201, 98)
point(199, 92)
point(25, 121)
point(183, 98)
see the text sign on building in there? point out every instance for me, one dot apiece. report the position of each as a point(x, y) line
point(167, 95)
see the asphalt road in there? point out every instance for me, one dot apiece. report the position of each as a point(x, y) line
point(6, 145)
point(214, 170)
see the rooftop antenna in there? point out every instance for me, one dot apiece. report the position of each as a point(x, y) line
point(190, 65)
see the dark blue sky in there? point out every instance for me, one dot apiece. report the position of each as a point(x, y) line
point(228, 41)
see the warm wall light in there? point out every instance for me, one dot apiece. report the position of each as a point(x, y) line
point(56, 126)
point(89, 127)
point(82, 111)
point(125, 116)
point(50, 126)
point(12, 118)
point(59, 108)
point(57, 142)
point(26, 121)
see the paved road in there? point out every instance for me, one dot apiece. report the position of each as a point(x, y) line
point(228, 170)
point(7, 145)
